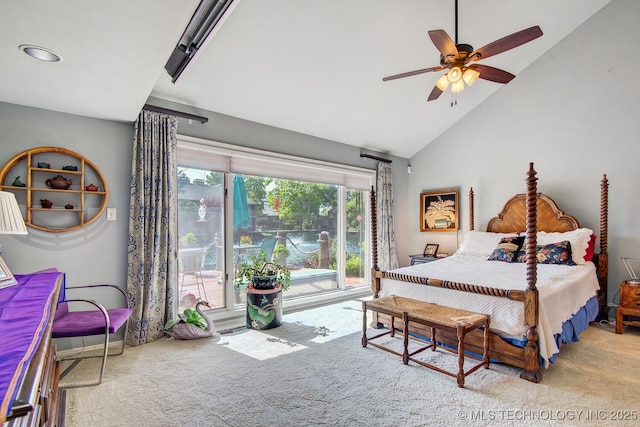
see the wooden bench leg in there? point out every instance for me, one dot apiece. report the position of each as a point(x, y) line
point(364, 323)
point(485, 355)
point(433, 339)
point(460, 333)
point(405, 336)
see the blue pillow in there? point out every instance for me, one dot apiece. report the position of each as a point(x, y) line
point(507, 249)
point(553, 253)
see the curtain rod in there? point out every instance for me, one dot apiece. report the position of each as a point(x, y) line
point(162, 110)
point(371, 156)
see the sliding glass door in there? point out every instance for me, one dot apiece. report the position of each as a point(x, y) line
point(295, 223)
point(311, 217)
point(201, 225)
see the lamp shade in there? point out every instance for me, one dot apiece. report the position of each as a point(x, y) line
point(442, 83)
point(454, 75)
point(457, 87)
point(470, 76)
point(11, 221)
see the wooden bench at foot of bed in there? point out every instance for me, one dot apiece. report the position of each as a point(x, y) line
point(437, 319)
point(499, 349)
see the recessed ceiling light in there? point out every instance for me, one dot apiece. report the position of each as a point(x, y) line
point(40, 53)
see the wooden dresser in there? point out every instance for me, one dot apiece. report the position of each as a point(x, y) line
point(37, 401)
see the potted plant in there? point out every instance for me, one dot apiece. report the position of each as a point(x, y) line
point(264, 281)
point(280, 253)
point(260, 273)
point(189, 239)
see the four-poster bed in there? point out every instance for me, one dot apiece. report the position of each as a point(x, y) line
point(534, 306)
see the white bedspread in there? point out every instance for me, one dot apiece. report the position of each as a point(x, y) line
point(563, 290)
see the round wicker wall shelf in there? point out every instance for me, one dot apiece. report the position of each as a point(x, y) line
point(58, 190)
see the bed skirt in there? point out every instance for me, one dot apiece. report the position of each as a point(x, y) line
point(571, 330)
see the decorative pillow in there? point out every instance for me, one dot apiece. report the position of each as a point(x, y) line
point(481, 242)
point(555, 253)
point(507, 249)
point(552, 253)
point(591, 248)
point(578, 238)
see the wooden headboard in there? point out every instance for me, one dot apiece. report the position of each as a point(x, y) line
point(513, 216)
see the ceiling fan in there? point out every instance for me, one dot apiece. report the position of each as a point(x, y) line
point(457, 57)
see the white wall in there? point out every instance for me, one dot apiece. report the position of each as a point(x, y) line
point(574, 113)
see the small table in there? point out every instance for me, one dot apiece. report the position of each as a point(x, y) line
point(421, 258)
point(629, 305)
point(436, 317)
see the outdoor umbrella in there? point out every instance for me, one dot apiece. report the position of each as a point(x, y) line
point(241, 215)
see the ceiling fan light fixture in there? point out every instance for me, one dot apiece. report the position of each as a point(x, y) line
point(442, 83)
point(454, 75)
point(470, 76)
point(457, 87)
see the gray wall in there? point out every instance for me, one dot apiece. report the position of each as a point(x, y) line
point(574, 113)
point(93, 254)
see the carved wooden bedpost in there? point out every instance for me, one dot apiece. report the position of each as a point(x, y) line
point(532, 371)
point(471, 210)
point(603, 257)
point(375, 273)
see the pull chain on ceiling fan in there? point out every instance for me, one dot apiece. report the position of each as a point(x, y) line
point(456, 57)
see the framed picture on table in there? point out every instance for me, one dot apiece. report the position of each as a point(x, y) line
point(430, 250)
point(6, 278)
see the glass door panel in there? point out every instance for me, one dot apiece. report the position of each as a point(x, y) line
point(201, 238)
point(356, 265)
point(294, 223)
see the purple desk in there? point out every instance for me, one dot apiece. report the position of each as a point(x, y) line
point(26, 316)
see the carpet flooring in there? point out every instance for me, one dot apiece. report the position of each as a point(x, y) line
point(313, 371)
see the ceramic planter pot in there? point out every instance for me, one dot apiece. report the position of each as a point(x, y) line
point(264, 308)
point(264, 282)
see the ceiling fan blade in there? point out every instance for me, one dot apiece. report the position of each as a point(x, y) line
point(435, 94)
point(412, 73)
point(506, 43)
point(492, 74)
point(443, 42)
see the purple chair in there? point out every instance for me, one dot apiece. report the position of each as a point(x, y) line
point(95, 321)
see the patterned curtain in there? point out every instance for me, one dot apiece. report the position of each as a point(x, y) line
point(152, 267)
point(387, 258)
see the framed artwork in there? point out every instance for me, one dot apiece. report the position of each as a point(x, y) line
point(439, 210)
point(6, 278)
point(431, 249)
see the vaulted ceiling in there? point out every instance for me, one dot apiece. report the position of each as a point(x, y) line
point(313, 67)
